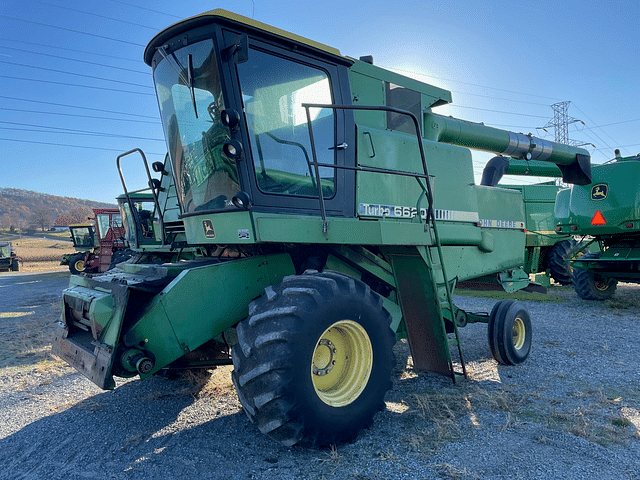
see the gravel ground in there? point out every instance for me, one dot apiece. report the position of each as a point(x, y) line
point(572, 410)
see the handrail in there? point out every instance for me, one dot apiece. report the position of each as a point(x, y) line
point(153, 191)
point(430, 211)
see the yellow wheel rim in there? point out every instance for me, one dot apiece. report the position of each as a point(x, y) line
point(600, 283)
point(342, 363)
point(519, 333)
point(79, 265)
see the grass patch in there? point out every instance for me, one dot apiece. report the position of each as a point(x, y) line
point(502, 295)
point(440, 415)
point(197, 383)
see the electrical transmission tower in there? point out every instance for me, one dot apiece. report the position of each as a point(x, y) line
point(560, 124)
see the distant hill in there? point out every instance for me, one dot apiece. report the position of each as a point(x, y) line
point(24, 209)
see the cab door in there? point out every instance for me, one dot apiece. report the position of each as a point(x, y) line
point(272, 85)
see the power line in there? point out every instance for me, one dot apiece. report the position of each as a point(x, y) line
point(493, 111)
point(76, 106)
point(72, 30)
point(81, 116)
point(84, 52)
point(72, 146)
point(617, 123)
point(499, 98)
point(76, 60)
point(93, 77)
point(75, 85)
point(96, 15)
point(472, 84)
point(147, 9)
point(70, 131)
point(591, 130)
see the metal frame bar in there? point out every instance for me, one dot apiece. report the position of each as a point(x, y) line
point(153, 191)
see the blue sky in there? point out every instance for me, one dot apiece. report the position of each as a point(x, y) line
point(75, 93)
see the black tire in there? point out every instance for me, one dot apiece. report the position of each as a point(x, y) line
point(314, 359)
point(559, 261)
point(510, 332)
point(76, 263)
point(119, 257)
point(592, 286)
point(14, 265)
point(497, 311)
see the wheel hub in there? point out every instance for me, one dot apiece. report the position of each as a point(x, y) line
point(323, 361)
point(341, 363)
point(519, 333)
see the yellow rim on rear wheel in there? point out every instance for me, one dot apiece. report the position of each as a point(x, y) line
point(600, 284)
point(342, 363)
point(519, 333)
point(79, 265)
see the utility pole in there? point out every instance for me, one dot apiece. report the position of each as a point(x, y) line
point(560, 124)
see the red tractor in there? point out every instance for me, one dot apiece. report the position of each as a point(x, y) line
point(95, 245)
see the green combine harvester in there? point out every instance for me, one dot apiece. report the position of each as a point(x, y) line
point(547, 253)
point(608, 212)
point(312, 210)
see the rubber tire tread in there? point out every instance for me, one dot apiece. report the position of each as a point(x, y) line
point(119, 257)
point(510, 354)
point(72, 262)
point(584, 283)
point(272, 361)
point(558, 261)
point(498, 310)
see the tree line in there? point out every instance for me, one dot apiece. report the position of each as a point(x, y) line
point(26, 210)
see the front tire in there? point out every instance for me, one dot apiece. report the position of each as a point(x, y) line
point(592, 286)
point(76, 264)
point(559, 261)
point(314, 359)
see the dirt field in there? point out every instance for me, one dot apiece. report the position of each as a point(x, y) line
point(39, 254)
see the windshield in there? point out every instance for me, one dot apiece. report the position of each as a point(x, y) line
point(82, 236)
point(273, 91)
point(129, 221)
point(206, 179)
point(141, 221)
point(106, 221)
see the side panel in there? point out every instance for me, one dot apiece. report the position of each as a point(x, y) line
point(614, 193)
point(502, 217)
point(422, 314)
point(201, 303)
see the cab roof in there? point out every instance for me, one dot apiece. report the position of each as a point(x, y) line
point(223, 16)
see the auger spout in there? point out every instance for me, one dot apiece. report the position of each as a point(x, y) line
point(573, 162)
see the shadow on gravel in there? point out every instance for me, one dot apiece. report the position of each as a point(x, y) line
point(29, 307)
point(141, 429)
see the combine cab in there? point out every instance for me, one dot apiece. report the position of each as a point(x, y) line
point(608, 212)
point(312, 209)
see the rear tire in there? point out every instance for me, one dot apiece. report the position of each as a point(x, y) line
point(314, 359)
point(558, 261)
point(119, 257)
point(76, 264)
point(592, 286)
point(509, 332)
